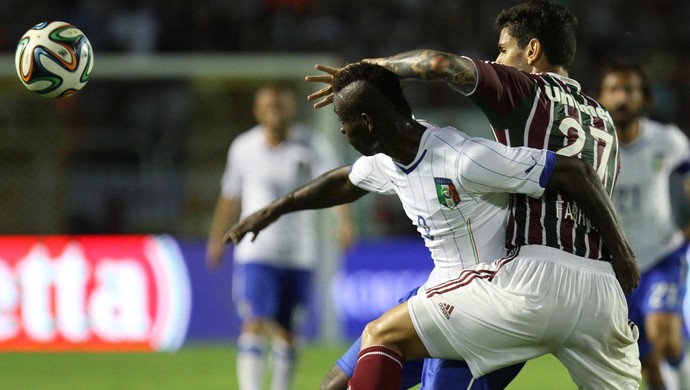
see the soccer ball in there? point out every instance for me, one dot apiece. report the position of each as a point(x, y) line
point(54, 59)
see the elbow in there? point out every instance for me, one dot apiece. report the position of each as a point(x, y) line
point(571, 174)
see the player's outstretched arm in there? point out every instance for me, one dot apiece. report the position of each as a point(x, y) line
point(578, 179)
point(325, 93)
point(459, 72)
point(330, 189)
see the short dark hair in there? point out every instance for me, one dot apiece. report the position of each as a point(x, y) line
point(625, 66)
point(378, 77)
point(552, 24)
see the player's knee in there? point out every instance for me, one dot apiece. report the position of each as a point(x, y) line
point(377, 333)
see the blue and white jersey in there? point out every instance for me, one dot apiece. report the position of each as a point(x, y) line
point(456, 193)
point(258, 173)
point(642, 196)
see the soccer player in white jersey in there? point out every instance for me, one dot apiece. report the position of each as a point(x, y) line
point(538, 300)
point(376, 119)
point(529, 100)
point(272, 275)
point(650, 153)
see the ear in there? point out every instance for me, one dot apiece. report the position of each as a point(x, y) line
point(368, 121)
point(533, 52)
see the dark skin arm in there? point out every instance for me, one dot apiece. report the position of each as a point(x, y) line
point(579, 180)
point(457, 71)
point(330, 189)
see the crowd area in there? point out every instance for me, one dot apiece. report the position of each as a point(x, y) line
point(653, 33)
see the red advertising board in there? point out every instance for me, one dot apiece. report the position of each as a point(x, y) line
point(92, 293)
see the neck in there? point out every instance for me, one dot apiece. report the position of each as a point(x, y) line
point(628, 132)
point(405, 145)
point(542, 68)
point(276, 136)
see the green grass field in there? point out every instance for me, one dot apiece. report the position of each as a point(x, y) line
point(198, 367)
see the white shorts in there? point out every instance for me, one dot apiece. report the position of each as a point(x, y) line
point(542, 301)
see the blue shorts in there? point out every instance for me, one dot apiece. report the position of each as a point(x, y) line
point(436, 374)
point(267, 292)
point(661, 289)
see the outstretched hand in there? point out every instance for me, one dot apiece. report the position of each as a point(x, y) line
point(326, 92)
point(254, 223)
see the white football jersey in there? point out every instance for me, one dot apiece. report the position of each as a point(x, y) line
point(642, 197)
point(258, 174)
point(456, 193)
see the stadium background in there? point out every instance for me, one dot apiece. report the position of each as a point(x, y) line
point(141, 149)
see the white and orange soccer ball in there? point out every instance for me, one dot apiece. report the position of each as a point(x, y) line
point(54, 59)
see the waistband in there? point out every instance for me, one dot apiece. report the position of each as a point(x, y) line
point(547, 253)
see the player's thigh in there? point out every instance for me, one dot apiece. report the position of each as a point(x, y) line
point(602, 353)
point(597, 372)
point(665, 329)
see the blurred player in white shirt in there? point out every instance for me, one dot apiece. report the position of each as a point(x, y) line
point(272, 276)
point(650, 153)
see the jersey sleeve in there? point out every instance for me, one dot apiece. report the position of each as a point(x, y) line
point(368, 174)
point(231, 181)
point(680, 145)
point(487, 166)
point(500, 89)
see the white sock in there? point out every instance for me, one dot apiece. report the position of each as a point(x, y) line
point(668, 375)
point(676, 377)
point(251, 352)
point(683, 371)
point(283, 365)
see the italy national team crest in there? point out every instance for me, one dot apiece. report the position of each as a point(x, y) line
point(658, 162)
point(447, 193)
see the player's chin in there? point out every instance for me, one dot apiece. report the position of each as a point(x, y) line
point(368, 149)
point(367, 152)
point(363, 150)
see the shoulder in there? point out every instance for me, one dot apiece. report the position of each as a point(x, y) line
point(501, 83)
point(250, 136)
point(306, 136)
point(246, 142)
point(442, 137)
point(666, 131)
point(376, 161)
point(489, 68)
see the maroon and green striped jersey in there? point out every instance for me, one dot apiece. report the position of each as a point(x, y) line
point(549, 111)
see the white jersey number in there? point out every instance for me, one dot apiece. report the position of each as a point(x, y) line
point(576, 147)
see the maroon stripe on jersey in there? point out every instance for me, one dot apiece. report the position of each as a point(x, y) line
point(467, 276)
point(501, 136)
point(566, 220)
point(535, 231)
point(567, 233)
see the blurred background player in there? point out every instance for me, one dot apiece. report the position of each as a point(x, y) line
point(272, 275)
point(650, 153)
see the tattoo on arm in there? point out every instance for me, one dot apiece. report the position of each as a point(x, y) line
point(457, 71)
